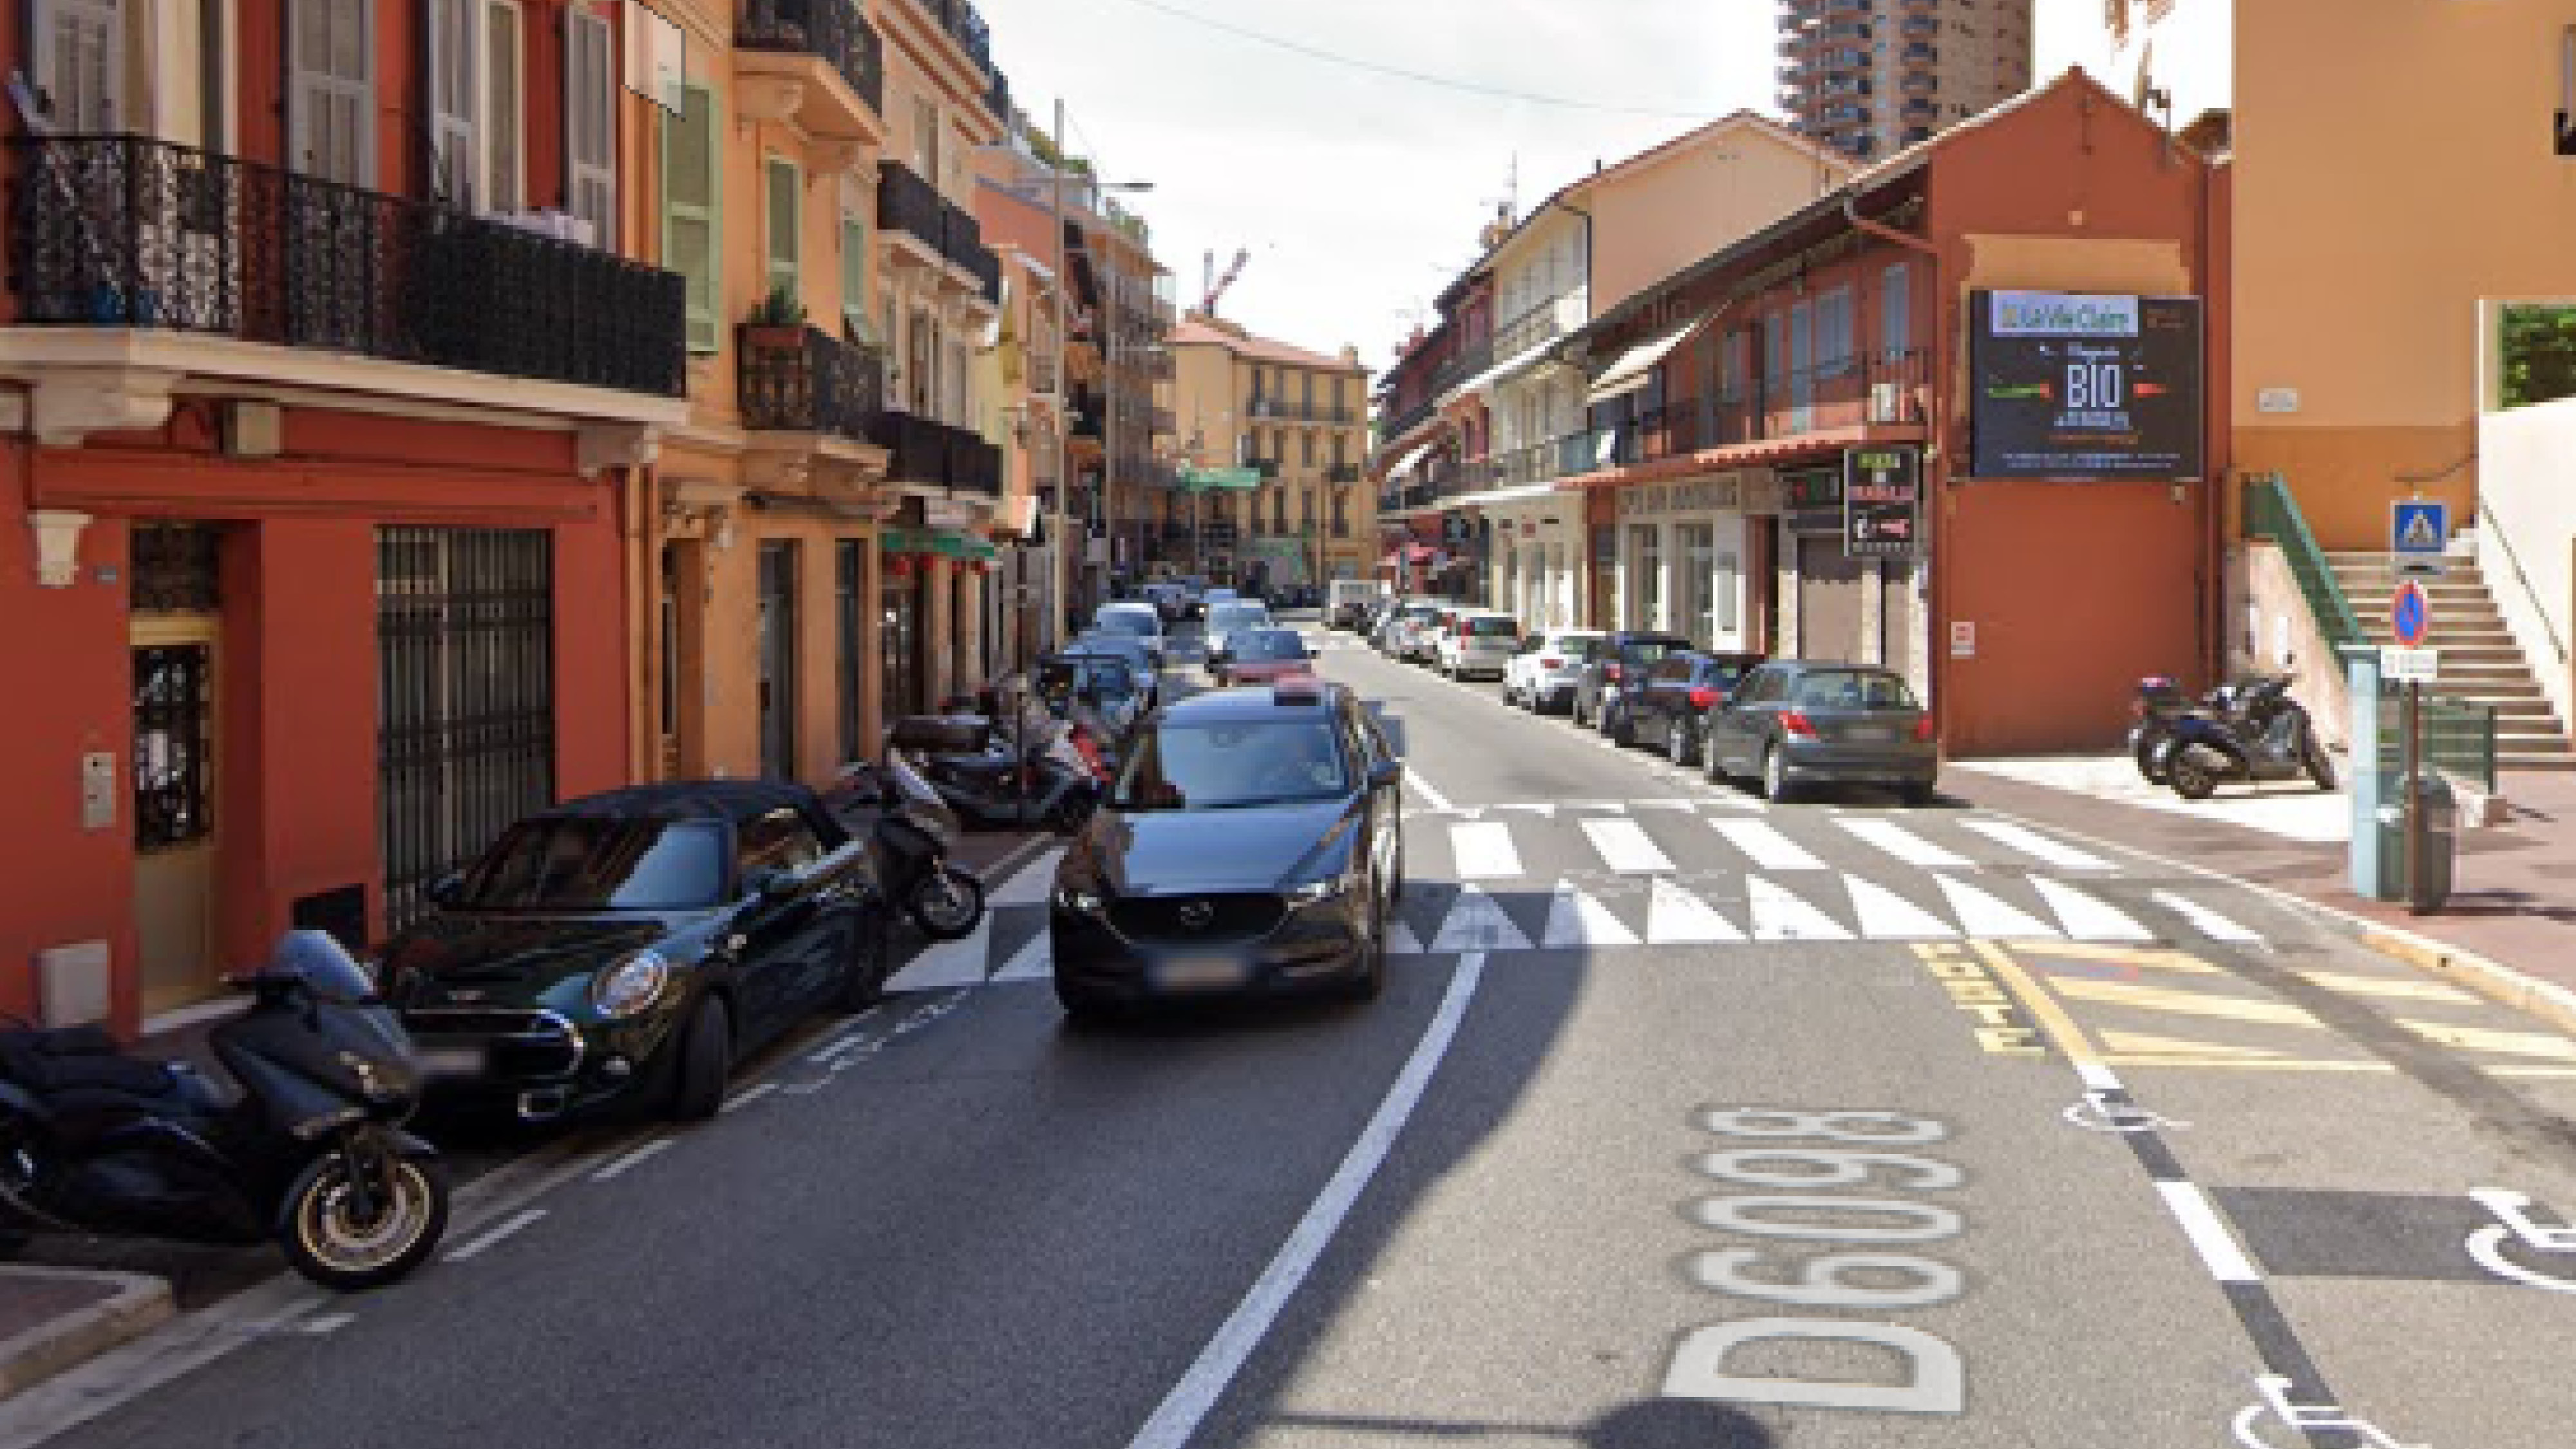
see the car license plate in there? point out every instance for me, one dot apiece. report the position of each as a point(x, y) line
point(1869, 734)
point(452, 1061)
point(1199, 973)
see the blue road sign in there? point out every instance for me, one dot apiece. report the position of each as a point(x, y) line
point(2419, 529)
point(2410, 614)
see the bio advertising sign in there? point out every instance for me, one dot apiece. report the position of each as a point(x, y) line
point(2087, 388)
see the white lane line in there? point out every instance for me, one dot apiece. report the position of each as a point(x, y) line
point(473, 1248)
point(1029, 885)
point(1780, 915)
point(2206, 921)
point(633, 1160)
point(950, 963)
point(1675, 917)
point(1483, 851)
point(326, 1323)
point(1763, 841)
point(1422, 787)
point(2208, 1233)
point(1905, 845)
point(1626, 848)
point(1476, 923)
point(747, 1096)
point(2097, 1076)
point(1886, 916)
point(1400, 940)
point(2030, 842)
point(844, 1041)
point(2085, 918)
point(1988, 918)
point(1577, 918)
point(1178, 1417)
point(1032, 962)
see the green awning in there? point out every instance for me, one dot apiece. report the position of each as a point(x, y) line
point(1210, 480)
point(939, 541)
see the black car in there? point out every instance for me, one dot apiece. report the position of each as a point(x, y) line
point(1253, 844)
point(1795, 722)
point(1680, 690)
point(1619, 662)
point(1140, 662)
point(629, 948)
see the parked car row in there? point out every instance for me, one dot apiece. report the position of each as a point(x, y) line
point(1786, 724)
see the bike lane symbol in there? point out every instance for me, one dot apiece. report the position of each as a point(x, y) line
point(2486, 1245)
point(2098, 1113)
point(2272, 1394)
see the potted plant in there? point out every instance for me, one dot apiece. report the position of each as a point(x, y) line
point(777, 322)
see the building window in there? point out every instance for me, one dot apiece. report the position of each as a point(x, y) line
point(1698, 592)
point(693, 211)
point(783, 198)
point(1727, 581)
point(504, 123)
point(590, 123)
point(1306, 441)
point(1646, 577)
point(1895, 311)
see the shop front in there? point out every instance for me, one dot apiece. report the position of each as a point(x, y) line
point(1687, 562)
point(1852, 580)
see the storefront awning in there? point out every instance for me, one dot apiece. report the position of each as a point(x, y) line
point(1635, 366)
point(1412, 459)
point(1500, 497)
point(1410, 553)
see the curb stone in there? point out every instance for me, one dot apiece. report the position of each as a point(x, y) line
point(134, 1304)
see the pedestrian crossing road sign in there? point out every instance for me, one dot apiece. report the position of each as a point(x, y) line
point(2419, 529)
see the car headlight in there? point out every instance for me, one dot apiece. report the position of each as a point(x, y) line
point(1338, 883)
point(630, 985)
point(1078, 898)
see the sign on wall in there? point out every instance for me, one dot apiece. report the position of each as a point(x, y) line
point(1882, 501)
point(2085, 388)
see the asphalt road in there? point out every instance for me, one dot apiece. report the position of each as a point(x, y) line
point(1685, 1124)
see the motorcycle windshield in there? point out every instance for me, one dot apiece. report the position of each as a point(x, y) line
point(322, 964)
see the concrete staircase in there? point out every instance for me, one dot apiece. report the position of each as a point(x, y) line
point(2480, 661)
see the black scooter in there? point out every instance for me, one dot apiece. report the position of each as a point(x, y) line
point(2263, 735)
point(909, 839)
point(1024, 776)
point(308, 1150)
point(2159, 704)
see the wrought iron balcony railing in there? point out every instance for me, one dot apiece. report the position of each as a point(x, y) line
point(918, 447)
point(974, 466)
point(910, 205)
point(127, 231)
point(1544, 322)
point(965, 26)
point(832, 29)
point(1342, 473)
point(819, 385)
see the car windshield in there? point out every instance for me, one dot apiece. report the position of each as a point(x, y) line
point(1850, 689)
point(1237, 616)
point(1493, 628)
point(1127, 621)
point(1270, 644)
point(1581, 646)
point(1232, 764)
point(594, 863)
point(1726, 672)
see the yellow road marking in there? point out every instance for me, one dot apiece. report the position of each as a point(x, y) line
point(2393, 988)
point(2052, 1017)
point(2285, 1064)
point(2481, 1039)
point(2151, 959)
point(2183, 1003)
point(2142, 1044)
point(1973, 990)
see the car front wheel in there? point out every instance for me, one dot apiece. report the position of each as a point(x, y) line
point(1776, 785)
point(1678, 746)
point(705, 1062)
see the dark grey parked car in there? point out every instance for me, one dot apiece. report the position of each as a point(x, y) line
point(1799, 722)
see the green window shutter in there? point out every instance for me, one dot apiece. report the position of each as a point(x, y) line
point(785, 185)
point(854, 275)
point(693, 212)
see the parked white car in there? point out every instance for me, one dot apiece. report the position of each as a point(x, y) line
point(1542, 676)
point(1478, 641)
point(1137, 620)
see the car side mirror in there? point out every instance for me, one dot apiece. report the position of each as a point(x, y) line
point(1386, 774)
point(447, 889)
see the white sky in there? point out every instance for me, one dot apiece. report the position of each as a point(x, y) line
point(1360, 194)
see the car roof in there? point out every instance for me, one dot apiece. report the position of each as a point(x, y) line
point(737, 801)
point(1258, 700)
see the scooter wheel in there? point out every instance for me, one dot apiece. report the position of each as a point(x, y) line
point(2193, 781)
point(946, 904)
point(2153, 772)
point(327, 1241)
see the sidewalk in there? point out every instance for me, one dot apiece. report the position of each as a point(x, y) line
point(2510, 926)
point(54, 1317)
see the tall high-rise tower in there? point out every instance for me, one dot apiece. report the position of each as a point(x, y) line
point(1868, 77)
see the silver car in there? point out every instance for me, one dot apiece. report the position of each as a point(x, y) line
point(1478, 641)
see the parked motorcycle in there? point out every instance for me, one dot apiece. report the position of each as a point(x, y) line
point(910, 840)
point(2260, 735)
point(307, 1148)
point(2160, 702)
point(1024, 775)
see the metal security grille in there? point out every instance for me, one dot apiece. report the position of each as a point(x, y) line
point(778, 645)
point(173, 698)
point(465, 640)
point(852, 599)
point(174, 569)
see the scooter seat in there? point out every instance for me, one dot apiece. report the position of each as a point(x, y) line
point(77, 1057)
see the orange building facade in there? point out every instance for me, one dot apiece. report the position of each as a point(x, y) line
point(324, 389)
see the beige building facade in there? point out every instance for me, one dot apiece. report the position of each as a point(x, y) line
point(1298, 420)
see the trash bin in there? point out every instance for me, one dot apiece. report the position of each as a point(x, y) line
point(2429, 870)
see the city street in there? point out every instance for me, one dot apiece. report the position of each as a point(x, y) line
point(1686, 1122)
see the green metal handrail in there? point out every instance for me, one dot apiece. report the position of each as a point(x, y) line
point(2459, 735)
point(2270, 512)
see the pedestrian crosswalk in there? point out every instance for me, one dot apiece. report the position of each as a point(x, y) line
point(1613, 876)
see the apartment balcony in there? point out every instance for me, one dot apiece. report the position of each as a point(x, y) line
point(1164, 424)
point(1463, 364)
point(140, 261)
point(1918, 53)
point(998, 98)
point(922, 229)
point(1919, 112)
point(974, 466)
point(819, 61)
point(1919, 83)
point(1919, 27)
point(1342, 473)
point(815, 384)
point(1882, 395)
point(965, 26)
point(1542, 323)
point(923, 452)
